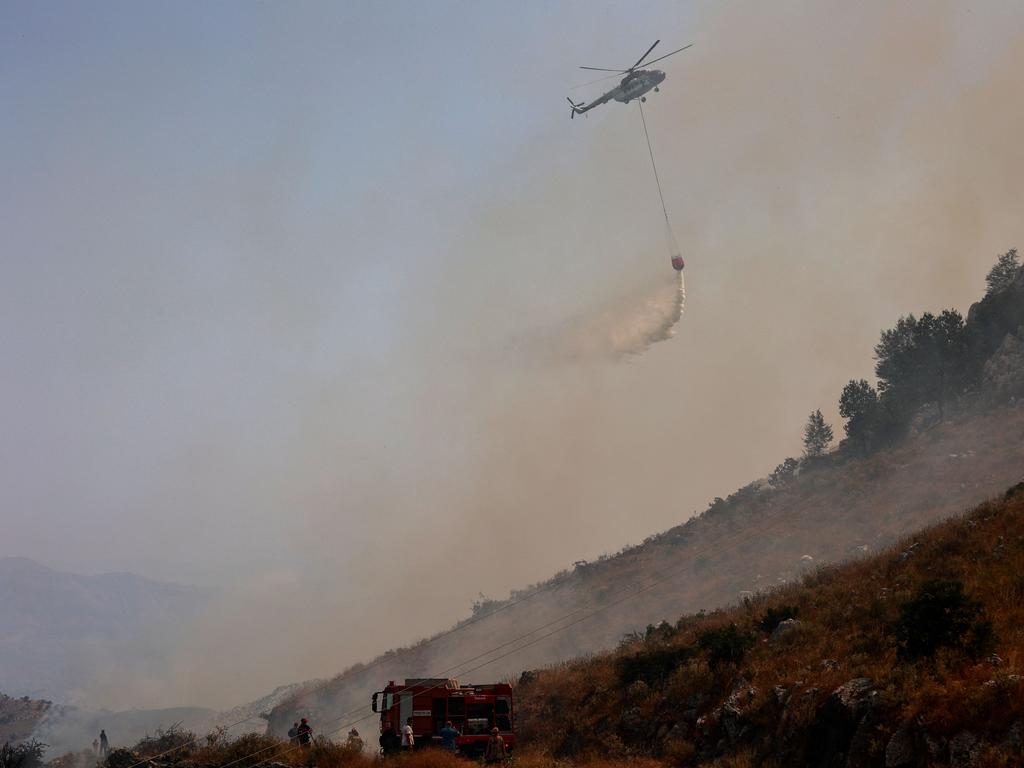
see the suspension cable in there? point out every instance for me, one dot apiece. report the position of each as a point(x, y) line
point(669, 234)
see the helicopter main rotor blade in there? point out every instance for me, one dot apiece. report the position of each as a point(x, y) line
point(600, 79)
point(648, 53)
point(602, 69)
point(669, 54)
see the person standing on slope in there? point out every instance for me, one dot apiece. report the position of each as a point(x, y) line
point(304, 733)
point(354, 741)
point(104, 744)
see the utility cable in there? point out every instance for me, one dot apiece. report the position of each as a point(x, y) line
point(656, 582)
point(378, 662)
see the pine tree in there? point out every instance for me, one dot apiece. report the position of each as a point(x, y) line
point(817, 435)
point(859, 406)
point(1003, 272)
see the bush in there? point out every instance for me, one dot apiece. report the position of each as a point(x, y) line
point(175, 738)
point(941, 615)
point(652, 667)
point(725, 645)
point(784, 473)
point(28, 754)
point(121, 758)
point(775, 616)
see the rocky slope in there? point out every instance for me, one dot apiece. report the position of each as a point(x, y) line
point(758, 538)
point(763, 535)
point(19, 717)
point(911, 657)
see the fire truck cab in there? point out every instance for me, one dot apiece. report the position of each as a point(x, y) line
point(473, 709)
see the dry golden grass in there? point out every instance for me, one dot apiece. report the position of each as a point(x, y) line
point(848, 614)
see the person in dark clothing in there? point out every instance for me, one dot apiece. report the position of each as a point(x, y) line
point(293, 733)
point(304, 733)
point(388, 739)
point(104, 744)
point(448, 735)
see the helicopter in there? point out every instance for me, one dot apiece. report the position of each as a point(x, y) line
point(634, 85)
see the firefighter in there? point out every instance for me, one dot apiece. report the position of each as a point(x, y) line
point(354, 742)
point(388, 739)
point(293, 733)
point(448, 735)
point(304, 733)
point(494, 752)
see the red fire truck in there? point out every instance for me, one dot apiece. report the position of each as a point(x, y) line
point(473, 709)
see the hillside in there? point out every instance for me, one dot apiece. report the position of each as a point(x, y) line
point(911, 657)
point(71, 729)
point(755, 540)
point(19, 717)
point(59, 628)
point(917, 452)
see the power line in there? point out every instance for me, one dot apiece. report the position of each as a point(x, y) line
point(658, 581)
point(379, 661)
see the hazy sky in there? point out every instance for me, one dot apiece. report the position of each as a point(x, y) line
point(272, 273)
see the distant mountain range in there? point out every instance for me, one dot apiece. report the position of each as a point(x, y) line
point(57, 629)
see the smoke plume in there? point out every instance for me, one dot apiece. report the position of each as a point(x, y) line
point(263, 336)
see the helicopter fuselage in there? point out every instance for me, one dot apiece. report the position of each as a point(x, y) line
point(635, 85)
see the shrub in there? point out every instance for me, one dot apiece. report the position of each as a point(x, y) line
point(121, 758)
point(783, 473)
point(654, 667)
point(28, 754)
point(724, 645)
point(174, 738)
point(941, 615)
point(775, 616)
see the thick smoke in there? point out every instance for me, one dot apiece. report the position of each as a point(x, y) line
point(351, 440)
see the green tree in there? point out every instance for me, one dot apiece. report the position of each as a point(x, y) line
point(783, 473)
point(817, 435)
point(943, 349)
point(922, 361)
point(1003, 271)
point(858, 404)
